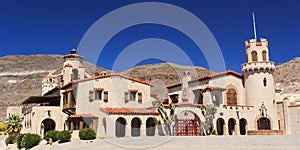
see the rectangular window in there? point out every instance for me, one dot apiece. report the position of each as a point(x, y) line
point(91, 95)
point(140, 96)
point(105, 96)
point(98, 94)
point(132, 96)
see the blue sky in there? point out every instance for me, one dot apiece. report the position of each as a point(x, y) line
point(47, 27)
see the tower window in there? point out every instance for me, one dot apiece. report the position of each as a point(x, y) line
point(264, 55)
point(231, 97)
point(254, 55)
point(265, 82)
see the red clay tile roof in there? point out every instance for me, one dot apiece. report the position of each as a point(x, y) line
point(138, 111)
point(68, 65)
point(82, 116)
point(212, 88)
point(112, 75)
point(294, 105)
point(72, 56)
point(211, 76)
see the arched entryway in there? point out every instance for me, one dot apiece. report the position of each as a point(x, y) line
point(220, 126)
point(135, 127)
point(47, 125)
point(263, 123)
point(231, 126)
point(120, 127)
point(150, 126)
point(187, 123)
point(243, 123)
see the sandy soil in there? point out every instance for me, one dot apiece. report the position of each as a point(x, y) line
point(270, 142)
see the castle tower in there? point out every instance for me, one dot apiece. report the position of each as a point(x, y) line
point(48, 83)
point(72, 67)
point(259, 84)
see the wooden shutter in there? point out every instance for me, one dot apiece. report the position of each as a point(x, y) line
point(91, 95)
point(140, 97)
point(126, 96)
point(105, 96)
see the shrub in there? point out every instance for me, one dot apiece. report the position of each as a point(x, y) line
point(51, 134)
point(87, 134)
point(19, 140)
point(30, 140)
point(11, 139)
point(64, 136)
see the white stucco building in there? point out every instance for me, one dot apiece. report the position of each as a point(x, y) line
point(116, 106)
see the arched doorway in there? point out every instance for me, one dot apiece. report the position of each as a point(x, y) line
point(263, 123)
point(47, 125)
point(243, 123)
point(150, 126)
point(187, 124)
point(120, 127)
point(220, 126)
point(231, 126)
point(135, 127)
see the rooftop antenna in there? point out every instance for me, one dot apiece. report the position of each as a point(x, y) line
point(254, 27)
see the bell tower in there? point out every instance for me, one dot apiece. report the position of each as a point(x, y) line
point(48, 83)
point(72, 67)
point(259, 83)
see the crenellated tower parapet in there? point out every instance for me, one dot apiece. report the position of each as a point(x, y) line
point(257, 57)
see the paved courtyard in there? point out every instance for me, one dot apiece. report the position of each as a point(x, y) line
point(271, 142)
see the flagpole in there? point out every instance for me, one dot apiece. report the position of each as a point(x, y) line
point(254, 27)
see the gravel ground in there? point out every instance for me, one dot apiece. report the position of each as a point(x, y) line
point(269, 142)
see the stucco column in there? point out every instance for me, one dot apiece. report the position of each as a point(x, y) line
point(143, 129)
point(80, 125)
point(246, 129)
point(225, 132)
point(71, 125)
point(236, 129)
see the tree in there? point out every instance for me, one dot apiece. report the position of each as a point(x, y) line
point(13, 125)
point(209, 112)
point(167, 119)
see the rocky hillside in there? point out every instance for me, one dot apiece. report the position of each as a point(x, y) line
point(287, 78)
point(21, 76)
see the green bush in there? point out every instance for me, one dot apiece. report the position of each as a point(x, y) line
point(64, 136)
point(11, 139)
point(19, 140)
point(51, 134)
point(30, 140)
point(87, 134)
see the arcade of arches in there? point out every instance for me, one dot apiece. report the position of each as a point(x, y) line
point(135, 127)
point(231, 127)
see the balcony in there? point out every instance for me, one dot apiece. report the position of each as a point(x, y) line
point(69, 108)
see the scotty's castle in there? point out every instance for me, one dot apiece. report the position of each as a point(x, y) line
point(116, 106)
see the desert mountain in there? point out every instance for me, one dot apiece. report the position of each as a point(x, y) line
point(287, 78)
point(21, 76)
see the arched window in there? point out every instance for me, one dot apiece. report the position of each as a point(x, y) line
point(264, 56)
point(254, 55)
point(231, 97)
point(265, 82)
